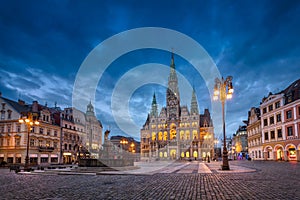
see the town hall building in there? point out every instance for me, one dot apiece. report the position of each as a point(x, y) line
point(177, 132)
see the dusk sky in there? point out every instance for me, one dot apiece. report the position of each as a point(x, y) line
point(44, 43)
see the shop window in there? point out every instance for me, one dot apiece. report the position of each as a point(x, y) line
point(18, 159)
point(54, 160)
point(10, 160)
point(44, 160)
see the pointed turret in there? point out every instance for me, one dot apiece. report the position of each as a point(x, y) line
point(194, 104)
point(172, 65)
point(90, 109)
point(154, 112)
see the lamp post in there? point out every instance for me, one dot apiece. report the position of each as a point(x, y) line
point(216, 148)
point(223, 89)
point(29, 122)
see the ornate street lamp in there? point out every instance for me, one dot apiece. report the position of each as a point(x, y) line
point(223, 89)
point(29, 122)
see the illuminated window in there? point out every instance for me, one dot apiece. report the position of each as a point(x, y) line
point(182, 154)
point(195, 154)
point(195, 134)
point(153, 136)
point(182, 135)
point(173, 134)
point(187, 154)
point(187, 135)
point(160, 136)
point(165, 154)
point(165, 136)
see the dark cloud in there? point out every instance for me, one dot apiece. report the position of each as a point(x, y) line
point(43, 44)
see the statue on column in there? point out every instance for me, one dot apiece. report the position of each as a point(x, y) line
point(106, 133)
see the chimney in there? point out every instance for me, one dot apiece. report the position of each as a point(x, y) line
point(0, 94)
point(35, 107)
point(21, 102)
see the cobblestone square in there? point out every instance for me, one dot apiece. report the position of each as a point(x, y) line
point(267, 180)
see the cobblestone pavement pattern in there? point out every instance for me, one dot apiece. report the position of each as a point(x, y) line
point(271, 180)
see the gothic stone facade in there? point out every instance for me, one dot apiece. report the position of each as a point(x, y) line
point(176, 132)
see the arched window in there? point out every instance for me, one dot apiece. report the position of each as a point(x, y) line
point(195, 134)
point(165, 154)
point(187, 154)
point(182, 135)
point(160, 136)
point(153, 136)
point(165, 136)
point(187, 135)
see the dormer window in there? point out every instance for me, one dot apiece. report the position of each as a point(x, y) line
point(9, 114)
point(2, 114)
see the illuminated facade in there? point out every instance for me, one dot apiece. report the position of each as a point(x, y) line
point(254, 134)
point(280, 122)
point(176, 132)
point(93, 127)
point(44, 140)
point(60, 138)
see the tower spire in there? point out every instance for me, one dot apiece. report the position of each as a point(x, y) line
point(194, 104)
point(172, 65)
point(154, 112)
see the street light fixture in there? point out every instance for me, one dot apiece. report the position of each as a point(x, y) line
point(29, 122)
point(223, 89)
